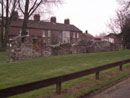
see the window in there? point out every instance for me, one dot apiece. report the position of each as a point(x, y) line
point(111, 40)
point(43, 33)
point(77, 35)
point(49, 33)
point(74, 35)
point(66, 37)
point(20, 32)
point(27, 32)
point(49, 40)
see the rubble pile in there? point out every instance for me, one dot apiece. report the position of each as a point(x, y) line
point(27, 47)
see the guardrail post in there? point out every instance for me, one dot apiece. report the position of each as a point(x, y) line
point(121, 67)
point(58, 88)
point(97, 75)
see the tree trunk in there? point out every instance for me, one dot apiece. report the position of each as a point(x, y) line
point(6, 25)
point(2, 25)
point(26, 16)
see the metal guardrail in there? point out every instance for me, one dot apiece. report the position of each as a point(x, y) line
point(11, 91)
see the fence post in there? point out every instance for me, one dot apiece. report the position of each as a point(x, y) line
point(97, 75)
point(121, 67)
point(58, 88)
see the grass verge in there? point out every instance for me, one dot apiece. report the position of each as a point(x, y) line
point(103, 84)
point(17, 73)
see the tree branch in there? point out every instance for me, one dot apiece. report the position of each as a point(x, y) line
point(35, 8)
point(20, 7)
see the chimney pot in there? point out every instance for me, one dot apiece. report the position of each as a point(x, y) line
point(36, 17)
point(15, 15)
point(53, 19)
point(86, 31)
point(67, 21)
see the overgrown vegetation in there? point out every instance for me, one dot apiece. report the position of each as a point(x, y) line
point(27, 71)
point(120, 24)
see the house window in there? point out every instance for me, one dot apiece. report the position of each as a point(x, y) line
point(49, 33)
point(74, 35)
point(27, 32)
point(66, 37)
point(20, 32)
point(43, 33)
point(77, 35)
point(49, 40)
point(111, 40)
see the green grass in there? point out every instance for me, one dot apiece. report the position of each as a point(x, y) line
point(100, 85)
point(21, 72)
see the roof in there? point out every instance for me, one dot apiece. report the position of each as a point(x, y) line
point(46, 25)
point(97, 38)
point(89, 35)
point(111, 35)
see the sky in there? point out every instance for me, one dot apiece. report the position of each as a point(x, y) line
point(90, 15)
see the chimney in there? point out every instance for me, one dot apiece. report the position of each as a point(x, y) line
point(14, 15)
point(36, 17)
point(86, 31)
point(53, 19)
point(67, 21)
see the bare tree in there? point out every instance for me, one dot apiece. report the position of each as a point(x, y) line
point(31, 6)
point(123, 22)
point(2, 23)
point(124, 4)
point(115, 24)
point(27, 8)
point(8, 7)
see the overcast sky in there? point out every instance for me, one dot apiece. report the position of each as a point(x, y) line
point(91, 15)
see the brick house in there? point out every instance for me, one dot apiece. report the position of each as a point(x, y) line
point(52, 32)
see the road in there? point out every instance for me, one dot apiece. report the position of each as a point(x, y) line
point(120, 90)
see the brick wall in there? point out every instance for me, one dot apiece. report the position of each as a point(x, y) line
point(56, 36)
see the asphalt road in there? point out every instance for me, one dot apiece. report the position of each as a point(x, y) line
point(120, 90)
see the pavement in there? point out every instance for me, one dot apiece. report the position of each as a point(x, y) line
point(120, 90)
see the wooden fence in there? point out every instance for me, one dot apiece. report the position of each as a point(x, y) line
point(11, 91)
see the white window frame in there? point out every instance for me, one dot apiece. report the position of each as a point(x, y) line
point(74, 35)
point(49, 40)
point(77, 35)
point(20, 32)
point(49, 33)
point(43, 33)
point(66, 36)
